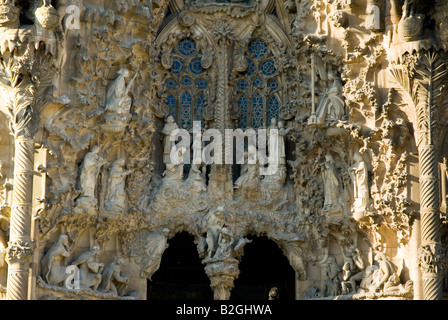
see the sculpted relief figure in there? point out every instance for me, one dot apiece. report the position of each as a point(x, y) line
point(331, 107)
point(332, 278)
point(153, 250)
point(331, 186)
point(112, 279)
point(353, 271)
point(115, 199)
point(173, 171)
point(118, 102)
point(90, 169)
point(360, 178)
point(52, 264)
point(212, 222)
point(89, 269)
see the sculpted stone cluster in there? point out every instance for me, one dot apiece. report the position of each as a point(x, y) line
point(349, 93)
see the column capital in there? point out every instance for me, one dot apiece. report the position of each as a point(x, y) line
point(432, 258)
point(19, 251)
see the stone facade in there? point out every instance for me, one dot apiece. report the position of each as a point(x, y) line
point(91, 91)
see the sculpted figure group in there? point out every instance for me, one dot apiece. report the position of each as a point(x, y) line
point(83, 273)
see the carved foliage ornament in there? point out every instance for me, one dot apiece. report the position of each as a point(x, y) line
point(19, 251)
point(431, 258)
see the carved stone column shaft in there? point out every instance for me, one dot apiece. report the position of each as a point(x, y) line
point(430, 217)
point(20, 248)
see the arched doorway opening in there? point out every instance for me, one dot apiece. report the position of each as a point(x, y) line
point(181, 275)
point(262, 267)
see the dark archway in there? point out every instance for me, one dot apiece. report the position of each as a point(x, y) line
point(262, 267)
point(181, 275)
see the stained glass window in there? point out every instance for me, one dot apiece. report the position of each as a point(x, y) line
point(257, 48)
point(257, 87)
point(170, 83)
point(267, 68)
point(273, 107)
point(273, 85)
point(178, 66)
point(242, 85)
point(242, 105)
point(171, 103)
point(186, 81)
point(186, 73)
point(187, 47)
point(195, 66)
point(201, 83)
point(250, 67)
point(257, 111)
point(199, 107)
point(186, 109)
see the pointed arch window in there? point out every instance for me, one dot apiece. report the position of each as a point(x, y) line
point(257, 88)
point(186, 83)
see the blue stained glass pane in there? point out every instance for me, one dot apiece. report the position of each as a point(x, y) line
point(201, 83)
point(258, 48)
point(250, 67)
point(273, 85)
point(186, 81)
point(195, 66)
point(187, 47)
point(199, 107)
point(258, 82)
point(267, 67)
point(242, 85)
point(178, 66)
point(185, 109)
point(171, 104)
point(170, 83)
point(257, 111)
point(242, 105)
point(273, 106)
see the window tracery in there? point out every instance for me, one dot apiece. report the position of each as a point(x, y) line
point(257, 88)
point(186, 83)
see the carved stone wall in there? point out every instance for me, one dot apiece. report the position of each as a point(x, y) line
point(91, 92)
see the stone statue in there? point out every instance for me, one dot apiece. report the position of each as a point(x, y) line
point(360, 178)
point(115, 198)
point(52, 264)
point(225, 244)
point(154, 249)
point(212, 222)
point(195, 178)
point(169, 127)
point(279, 143)
point(250, 173)
point(332, 278)
point(353, 271)
point(173, 171)
point(385, 273)
point(89, 269)
point(331, 107)
point(331, 186)
point(118, 102)
point(90, 169)
point(112, 280)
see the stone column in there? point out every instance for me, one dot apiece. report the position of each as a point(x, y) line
point(429, 253)
point(430, 75)
point(221, 183)
point(20, 247)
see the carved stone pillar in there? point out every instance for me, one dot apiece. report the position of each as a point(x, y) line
point(430, 75)
point(221, 182)
point(20, 247)
point(430, 222)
